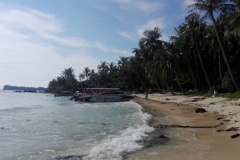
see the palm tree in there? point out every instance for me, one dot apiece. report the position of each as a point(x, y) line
point(69, 79)
point(193, 30)
point(182, 46)
point(81, 77)
point(234, 24)
point(102, 72)
point(93, 77)
point(210, 7)
point(86, 72)
point(113, 74)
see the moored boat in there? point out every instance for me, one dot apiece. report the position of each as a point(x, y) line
point(102, 95)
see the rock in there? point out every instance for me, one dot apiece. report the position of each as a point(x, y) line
point(70, 157)
point(232, 129)
point(220, 130)
point(200, 110)
point(155, 140)
point(226, 120)
point(235, 135)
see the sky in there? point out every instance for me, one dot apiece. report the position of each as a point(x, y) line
point(41, 38)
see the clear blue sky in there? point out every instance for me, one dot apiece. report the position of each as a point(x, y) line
point(39, 38)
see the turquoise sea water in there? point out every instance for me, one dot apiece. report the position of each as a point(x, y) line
point(40, 126)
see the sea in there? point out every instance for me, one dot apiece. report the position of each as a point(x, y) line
point(39, 126)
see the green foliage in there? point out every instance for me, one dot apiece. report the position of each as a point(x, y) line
point(235, 95)
point(202, 56)
point(204, 94)
point(227, 83)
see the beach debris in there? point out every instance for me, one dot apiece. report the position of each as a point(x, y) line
point(3, 128)
point(181, 126)
point(219, 118)
point(214, 93)
point(197, 99)
point(200, 110)
point(229, 129)
point(226, 120)
point(83, 122)
point(155, 139)
point(70, 157)
point(235, 135)
point(233, 129)
point(105, 123)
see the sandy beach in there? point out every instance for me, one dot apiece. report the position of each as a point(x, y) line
point(213, 143)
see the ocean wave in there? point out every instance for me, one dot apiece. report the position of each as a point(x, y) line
point(114, 148)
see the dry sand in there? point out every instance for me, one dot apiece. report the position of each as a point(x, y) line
point(181, 111)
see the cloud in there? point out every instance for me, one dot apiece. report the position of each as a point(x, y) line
point(33, 50)
point(128, 36)
point(151, 24)
point(101, 47)
point(187, 3)
point(23, 62)
point(146, 7)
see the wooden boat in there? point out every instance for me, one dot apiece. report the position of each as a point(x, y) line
point(102, 95)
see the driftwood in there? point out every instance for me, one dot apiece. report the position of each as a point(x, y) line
point(181, 126)
point(229, 129)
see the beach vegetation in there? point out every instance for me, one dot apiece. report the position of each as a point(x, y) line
point(203, 56)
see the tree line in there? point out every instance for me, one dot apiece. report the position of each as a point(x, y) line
point(202, 56)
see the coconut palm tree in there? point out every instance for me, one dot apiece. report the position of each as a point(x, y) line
point(68, 77)
point(81, 77)
point(192, 30)
point(210, 7)
point(103, 70)
point(86, 72)
point(234, 23)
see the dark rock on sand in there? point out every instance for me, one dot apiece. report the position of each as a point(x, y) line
point(200, 110)
point(233, 129)
point(70, 157)
point(235, 135)
point(155, 138)
point(157, 141)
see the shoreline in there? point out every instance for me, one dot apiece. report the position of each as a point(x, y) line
point(180, 110)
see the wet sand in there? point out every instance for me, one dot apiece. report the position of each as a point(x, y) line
point(207, 143)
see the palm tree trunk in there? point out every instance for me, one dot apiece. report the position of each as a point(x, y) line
point(223, 51)
point(140, 80)
point(203, 67)
point(219, 67)
point(196, 67)
point(179, 84)
point(191, 72)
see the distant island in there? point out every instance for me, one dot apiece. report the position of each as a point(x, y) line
point(8, 87)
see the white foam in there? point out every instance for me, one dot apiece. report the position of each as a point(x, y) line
point(114, 147)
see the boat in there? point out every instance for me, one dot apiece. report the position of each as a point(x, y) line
point(102, 95)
